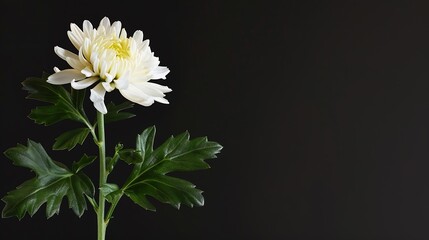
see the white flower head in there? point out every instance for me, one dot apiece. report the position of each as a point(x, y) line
point(110, 60)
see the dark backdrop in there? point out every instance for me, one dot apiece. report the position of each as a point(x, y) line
point(322, 108)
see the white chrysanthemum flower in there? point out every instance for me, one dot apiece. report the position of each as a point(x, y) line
point(111, 60)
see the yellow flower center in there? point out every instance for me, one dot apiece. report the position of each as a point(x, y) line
point(120, 46)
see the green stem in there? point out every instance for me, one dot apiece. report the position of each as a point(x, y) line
point(112, 208)
point(101, 224)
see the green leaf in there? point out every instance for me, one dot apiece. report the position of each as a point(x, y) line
point(70, 139)
point(52, 183)
point(78, 99)
point(178, 153)
point(166, 189)
point(138, 196)
point(130, 156)
point(83, 162)
point(114, 112)
point(108, 188)
point(144, 144)
point(111, 161)
point(110, 191)
point(145, 141)
point(62, 106)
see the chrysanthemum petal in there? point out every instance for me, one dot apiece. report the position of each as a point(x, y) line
point(161, 100)
point(159, 87)
point(138, 36)
point(97, 97)
point(75, 63)
point(159, 72)
point(101, 107)
point(87, 28)
point(116, 29)
point(63, 53)
point(134, 94)
point(122, 82)
point(108, 86)
point(84, 83)
point(87, 72)
point(65, 76)
point(75, 35)
point(142, 46)
point(105, 23)
point(109, 78)
point(152, 89)
point(82, 57)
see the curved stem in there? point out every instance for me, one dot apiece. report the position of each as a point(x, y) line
point(101, 224)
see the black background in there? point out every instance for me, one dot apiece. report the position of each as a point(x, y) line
point(322, 108)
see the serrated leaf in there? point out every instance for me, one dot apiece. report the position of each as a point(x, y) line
point(52, 183)
point(110, 191)
point(61, 107)
point(130, 156)
point(115, 112)
point(144, 144)
point(178, 153)
point(83, 162)
point(138, 196)
point(114, 196)
point(70, 139)
point(49, 115)
point(181, 154)
point(166, 189)
point(145, 141)
point(78, 99)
